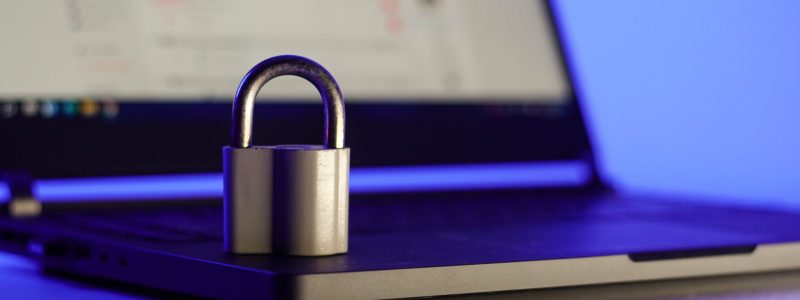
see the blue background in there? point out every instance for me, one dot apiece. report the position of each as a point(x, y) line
point(697, 97)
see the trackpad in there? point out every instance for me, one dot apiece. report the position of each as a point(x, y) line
point(593, 238)
point(536, 241)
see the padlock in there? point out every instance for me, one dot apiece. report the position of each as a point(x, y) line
point(286, 199)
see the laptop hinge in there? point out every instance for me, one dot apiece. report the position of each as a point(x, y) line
point(22, 203)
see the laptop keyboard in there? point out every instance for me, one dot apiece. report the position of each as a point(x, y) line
point(482, 212)
point(185, 224)
point(190, 224)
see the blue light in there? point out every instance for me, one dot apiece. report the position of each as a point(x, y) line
point(464, 177)
point(362, 180)
point(4, 192)
point(692, 97)
point(137, 187)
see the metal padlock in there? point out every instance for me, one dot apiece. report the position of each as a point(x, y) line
point(287, 199)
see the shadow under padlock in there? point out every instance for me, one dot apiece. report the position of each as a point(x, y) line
point(286, 199)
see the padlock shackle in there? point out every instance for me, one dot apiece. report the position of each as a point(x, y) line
point(333, 103)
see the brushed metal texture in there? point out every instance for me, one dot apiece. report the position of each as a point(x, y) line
point(288, 199)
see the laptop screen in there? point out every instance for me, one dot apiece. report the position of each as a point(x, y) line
point(96, 87)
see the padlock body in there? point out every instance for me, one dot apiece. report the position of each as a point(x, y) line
point(247, 200)
point(289, 200)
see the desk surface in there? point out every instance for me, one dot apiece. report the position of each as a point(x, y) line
point(22, 279)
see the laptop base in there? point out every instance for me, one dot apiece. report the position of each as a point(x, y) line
point(422, 246)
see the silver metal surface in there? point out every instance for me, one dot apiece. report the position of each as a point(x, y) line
point(768, 285)
point(288, 65)
point(310, 204)
point(247, 201)
point(24, 208)
point(286, 199)
point(290, 199)
point(539, 274)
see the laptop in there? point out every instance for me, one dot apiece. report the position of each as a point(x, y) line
point(472, 170)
